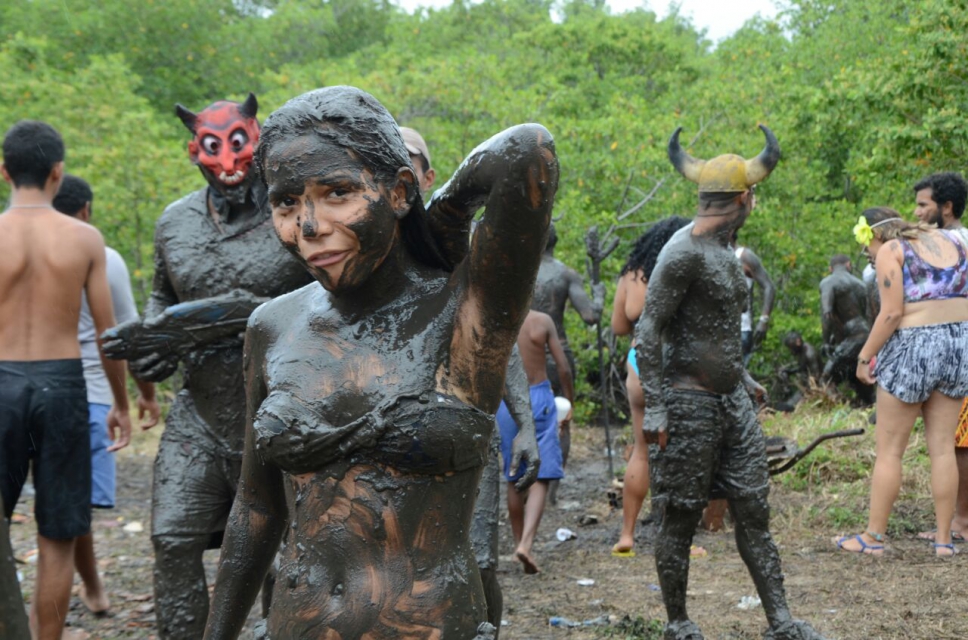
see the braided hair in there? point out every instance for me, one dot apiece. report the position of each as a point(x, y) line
point(647, 247)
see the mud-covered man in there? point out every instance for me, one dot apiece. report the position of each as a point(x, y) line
point(216, 259)
point(698, 401)
point(843, 306)
point(557, 285)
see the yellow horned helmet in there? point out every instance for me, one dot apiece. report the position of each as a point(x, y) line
point(727, 173)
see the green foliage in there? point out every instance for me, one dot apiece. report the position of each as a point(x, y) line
point(638, 629)
point(865, 99)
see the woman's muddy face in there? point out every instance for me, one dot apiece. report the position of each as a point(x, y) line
point(330, 212)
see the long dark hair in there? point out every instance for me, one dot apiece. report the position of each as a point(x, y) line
point(356, 121)
point(647, 247)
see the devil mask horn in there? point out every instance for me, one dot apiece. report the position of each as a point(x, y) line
point(186, 117)
point(727, 173)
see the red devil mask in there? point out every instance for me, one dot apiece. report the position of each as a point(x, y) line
point(225, 137)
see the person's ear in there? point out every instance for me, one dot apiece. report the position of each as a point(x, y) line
point(429, 177)
point(6, 174)
point(85, 213)
point(947, 209)
point(56, 176)
point(403, 192)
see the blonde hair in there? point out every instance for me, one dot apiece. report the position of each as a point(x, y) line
point(892, 226)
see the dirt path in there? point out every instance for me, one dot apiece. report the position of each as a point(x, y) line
point(908, 594)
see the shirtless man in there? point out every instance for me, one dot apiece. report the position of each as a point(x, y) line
point(698, 397)
point(46, 261)
point(755, 274)
point(843, 306)
point(525, 508)
point(557, 285)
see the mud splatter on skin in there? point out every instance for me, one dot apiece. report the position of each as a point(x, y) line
point(690, 353)
point(214, 247)
point(371, 397)
point(13, 619)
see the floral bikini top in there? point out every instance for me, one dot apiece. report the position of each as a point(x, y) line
point(924, 281)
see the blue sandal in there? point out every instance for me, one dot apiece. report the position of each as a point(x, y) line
point(950, 546)
point(868, 549)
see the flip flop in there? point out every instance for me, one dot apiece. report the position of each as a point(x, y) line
point(956, 536)
point(867, 549)
point(627, 553)
point(950, 547)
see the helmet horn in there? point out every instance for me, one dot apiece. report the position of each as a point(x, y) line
point(760, 167)
point(684, 163)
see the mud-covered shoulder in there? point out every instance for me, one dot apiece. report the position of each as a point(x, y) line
point(271, 317)
point(195, 201)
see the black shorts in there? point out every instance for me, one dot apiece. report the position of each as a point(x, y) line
point(44, 419)
point(716, 450)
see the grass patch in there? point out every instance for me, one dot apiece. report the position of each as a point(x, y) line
point(638, 628)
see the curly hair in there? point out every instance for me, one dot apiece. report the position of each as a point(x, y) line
point(946, 187)
point(647, 247)
point(894, 226)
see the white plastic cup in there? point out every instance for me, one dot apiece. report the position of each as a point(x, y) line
point(563, 407)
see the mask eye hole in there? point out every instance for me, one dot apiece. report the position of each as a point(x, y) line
point(211, 144)
point(238, 139)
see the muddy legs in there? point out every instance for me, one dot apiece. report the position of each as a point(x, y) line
point(181, 595)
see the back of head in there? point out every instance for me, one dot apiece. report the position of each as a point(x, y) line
point(946, 187)
point(839, 260)
point(792, 339)
point(353, 120)
point(645, 253)
point(552, 241)
point(30, 150)
point(73, 194)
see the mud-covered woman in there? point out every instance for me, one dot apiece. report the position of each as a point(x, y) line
point(371, 394)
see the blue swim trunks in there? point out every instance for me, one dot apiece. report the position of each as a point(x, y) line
point(633, 361)
point(102, 462)
point(546, 430)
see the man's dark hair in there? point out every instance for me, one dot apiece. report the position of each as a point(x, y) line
point(424, 165)
point(30, 150)
point(74, 193)
point(645, 253)
point(946, 187)
point(839, 260)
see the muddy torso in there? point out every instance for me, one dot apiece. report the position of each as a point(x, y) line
point(381, 469)
point(551, 292)
point(203, 261)
point(849, 304)
point(702, 343)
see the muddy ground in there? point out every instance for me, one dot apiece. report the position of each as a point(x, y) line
point(906, 594)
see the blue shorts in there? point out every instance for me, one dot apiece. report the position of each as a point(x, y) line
point(633, 361)
point(545, 429)
point(102, 463)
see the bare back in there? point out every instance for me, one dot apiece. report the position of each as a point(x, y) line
point(46, 260)
point(536, 332)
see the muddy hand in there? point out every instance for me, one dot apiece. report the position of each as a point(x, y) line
point(118, 340)
point(154, 367)
point(655, 426)
point(525, 448)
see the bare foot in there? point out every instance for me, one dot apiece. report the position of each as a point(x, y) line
point(956, 535)
point(98, 604)
point(624, 545)
point(530, 566)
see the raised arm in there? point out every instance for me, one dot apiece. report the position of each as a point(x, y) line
point(102, 312)
point(258, 517)
point(514, 175)
point(671, 278)
point(517, 396)
point(754, 269)
point(590, 310)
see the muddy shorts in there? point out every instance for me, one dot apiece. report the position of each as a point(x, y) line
point(917, 361)
point(43, 423)
point(716, 450)
point(195, 478)
point(484, 526)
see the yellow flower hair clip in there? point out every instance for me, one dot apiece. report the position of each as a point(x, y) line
point(863, 233)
